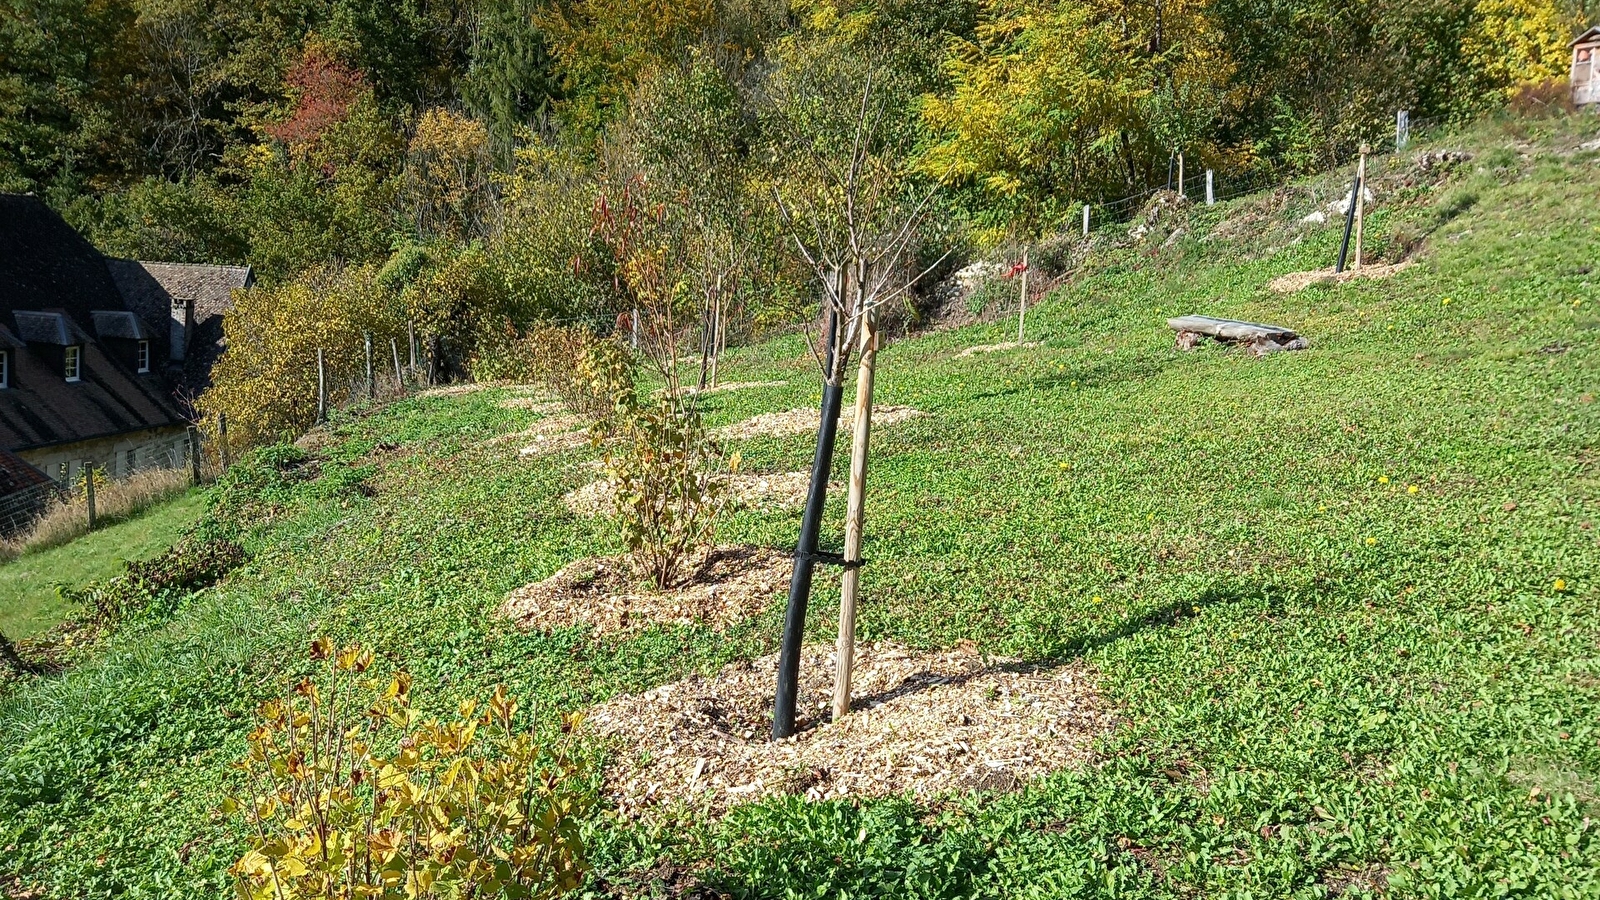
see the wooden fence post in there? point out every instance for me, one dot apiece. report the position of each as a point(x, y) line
point(1086, 220)
point(194, 454)
point(854, 516)
point(88, 488)
point(1180, 176)
point(322, 388)
point(1360, 200)
point(411, 336)
point(1022, 306)
point(222, 440)
point(399, 380)
point(372, 386)
point(1402, 129)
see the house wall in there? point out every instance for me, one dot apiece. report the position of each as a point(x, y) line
point(152, 448)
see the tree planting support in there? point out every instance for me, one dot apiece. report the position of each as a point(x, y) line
point(806, 555)
point(855, 518)
point(88, 488)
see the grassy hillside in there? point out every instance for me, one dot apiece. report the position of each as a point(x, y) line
point(29, 602)
point(1321, 588)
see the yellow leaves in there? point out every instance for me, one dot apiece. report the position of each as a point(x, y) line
point(1517, 42)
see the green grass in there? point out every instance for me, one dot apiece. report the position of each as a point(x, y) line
point(1327, 682)
point(29, 602)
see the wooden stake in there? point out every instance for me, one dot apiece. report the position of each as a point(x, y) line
point(411, 338)
point(1022, 306)
point(222, 440)
point(322, 388)
point(1211, 193)
point(194, 454)
point(1086, 220)
point(399, 380)
point(855, 508)
point(1180, 175)
point(1360, 200)
point(372, 387)
point(88, 488)
point(716, 331)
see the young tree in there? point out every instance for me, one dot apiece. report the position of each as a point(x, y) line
point(856, 218)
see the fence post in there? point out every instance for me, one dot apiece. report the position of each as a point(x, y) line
point(1211, 193)
point(372, 388)
point(222, 440)
point(411, 336)
point(1180, 176)
point(399, 381)
point(1360, 201)
point(88, 488)
point(1402, 129)
point(1086, 220)
point(322, 389)
point(194, 454)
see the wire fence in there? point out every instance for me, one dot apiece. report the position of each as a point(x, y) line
point(1213, 187)
point(19, 509)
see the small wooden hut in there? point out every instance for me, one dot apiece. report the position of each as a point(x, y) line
point(1586, 68)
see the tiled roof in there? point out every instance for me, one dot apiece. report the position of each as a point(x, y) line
point(38, 327)
point(210, 287)
point(16, 474)
point(52, 281)
point(119, 323)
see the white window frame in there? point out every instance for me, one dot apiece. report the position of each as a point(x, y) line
point(73, 363)
point(5, 369)
point(144, 357)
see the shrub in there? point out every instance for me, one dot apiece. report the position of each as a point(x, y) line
point(351, 795)
point(660, 462)
point(587, 373)
point(156, 585)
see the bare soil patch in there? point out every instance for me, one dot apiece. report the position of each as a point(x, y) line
point(1298, 281)
point(923, 723)
point(781, 490)
point(997, 348)
point(731, 584)
point(801, 421)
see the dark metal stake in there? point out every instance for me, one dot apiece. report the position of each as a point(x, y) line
point(805, 562)
point(1349, 224)
point(222, 439)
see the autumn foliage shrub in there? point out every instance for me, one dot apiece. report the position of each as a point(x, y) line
point(350, 792)
point(267, 381)
point(155, 586)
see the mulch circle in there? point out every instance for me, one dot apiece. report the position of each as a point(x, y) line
point(927, 724)
point(606, 594)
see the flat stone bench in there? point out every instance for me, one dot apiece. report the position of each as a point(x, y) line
point(1254, 337)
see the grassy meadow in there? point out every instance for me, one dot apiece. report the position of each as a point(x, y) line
point(1344, 600)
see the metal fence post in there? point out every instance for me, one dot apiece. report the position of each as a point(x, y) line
point(1402, 130)
point(1086, 220)
point(1211, 193)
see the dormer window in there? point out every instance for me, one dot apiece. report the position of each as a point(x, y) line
point(144, 357)
point(5, 369)
point(73, 367)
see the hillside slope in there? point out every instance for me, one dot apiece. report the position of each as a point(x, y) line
point(1344, 600)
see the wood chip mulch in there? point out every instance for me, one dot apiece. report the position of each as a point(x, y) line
point(730, 585)
point(922, 723)
point(745, 490)
point(997, 348)
point(801, 421)
point(1299, 281)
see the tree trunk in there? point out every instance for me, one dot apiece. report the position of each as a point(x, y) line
point(854, 519)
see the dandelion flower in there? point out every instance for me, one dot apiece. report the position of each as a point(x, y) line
point(1412, 489)
point(1066, 465)
point(1372, 542)
point(1099, 600)
point(1446, 301)
point(1383, 479)
point(1322, 507)
point(1561, 584)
